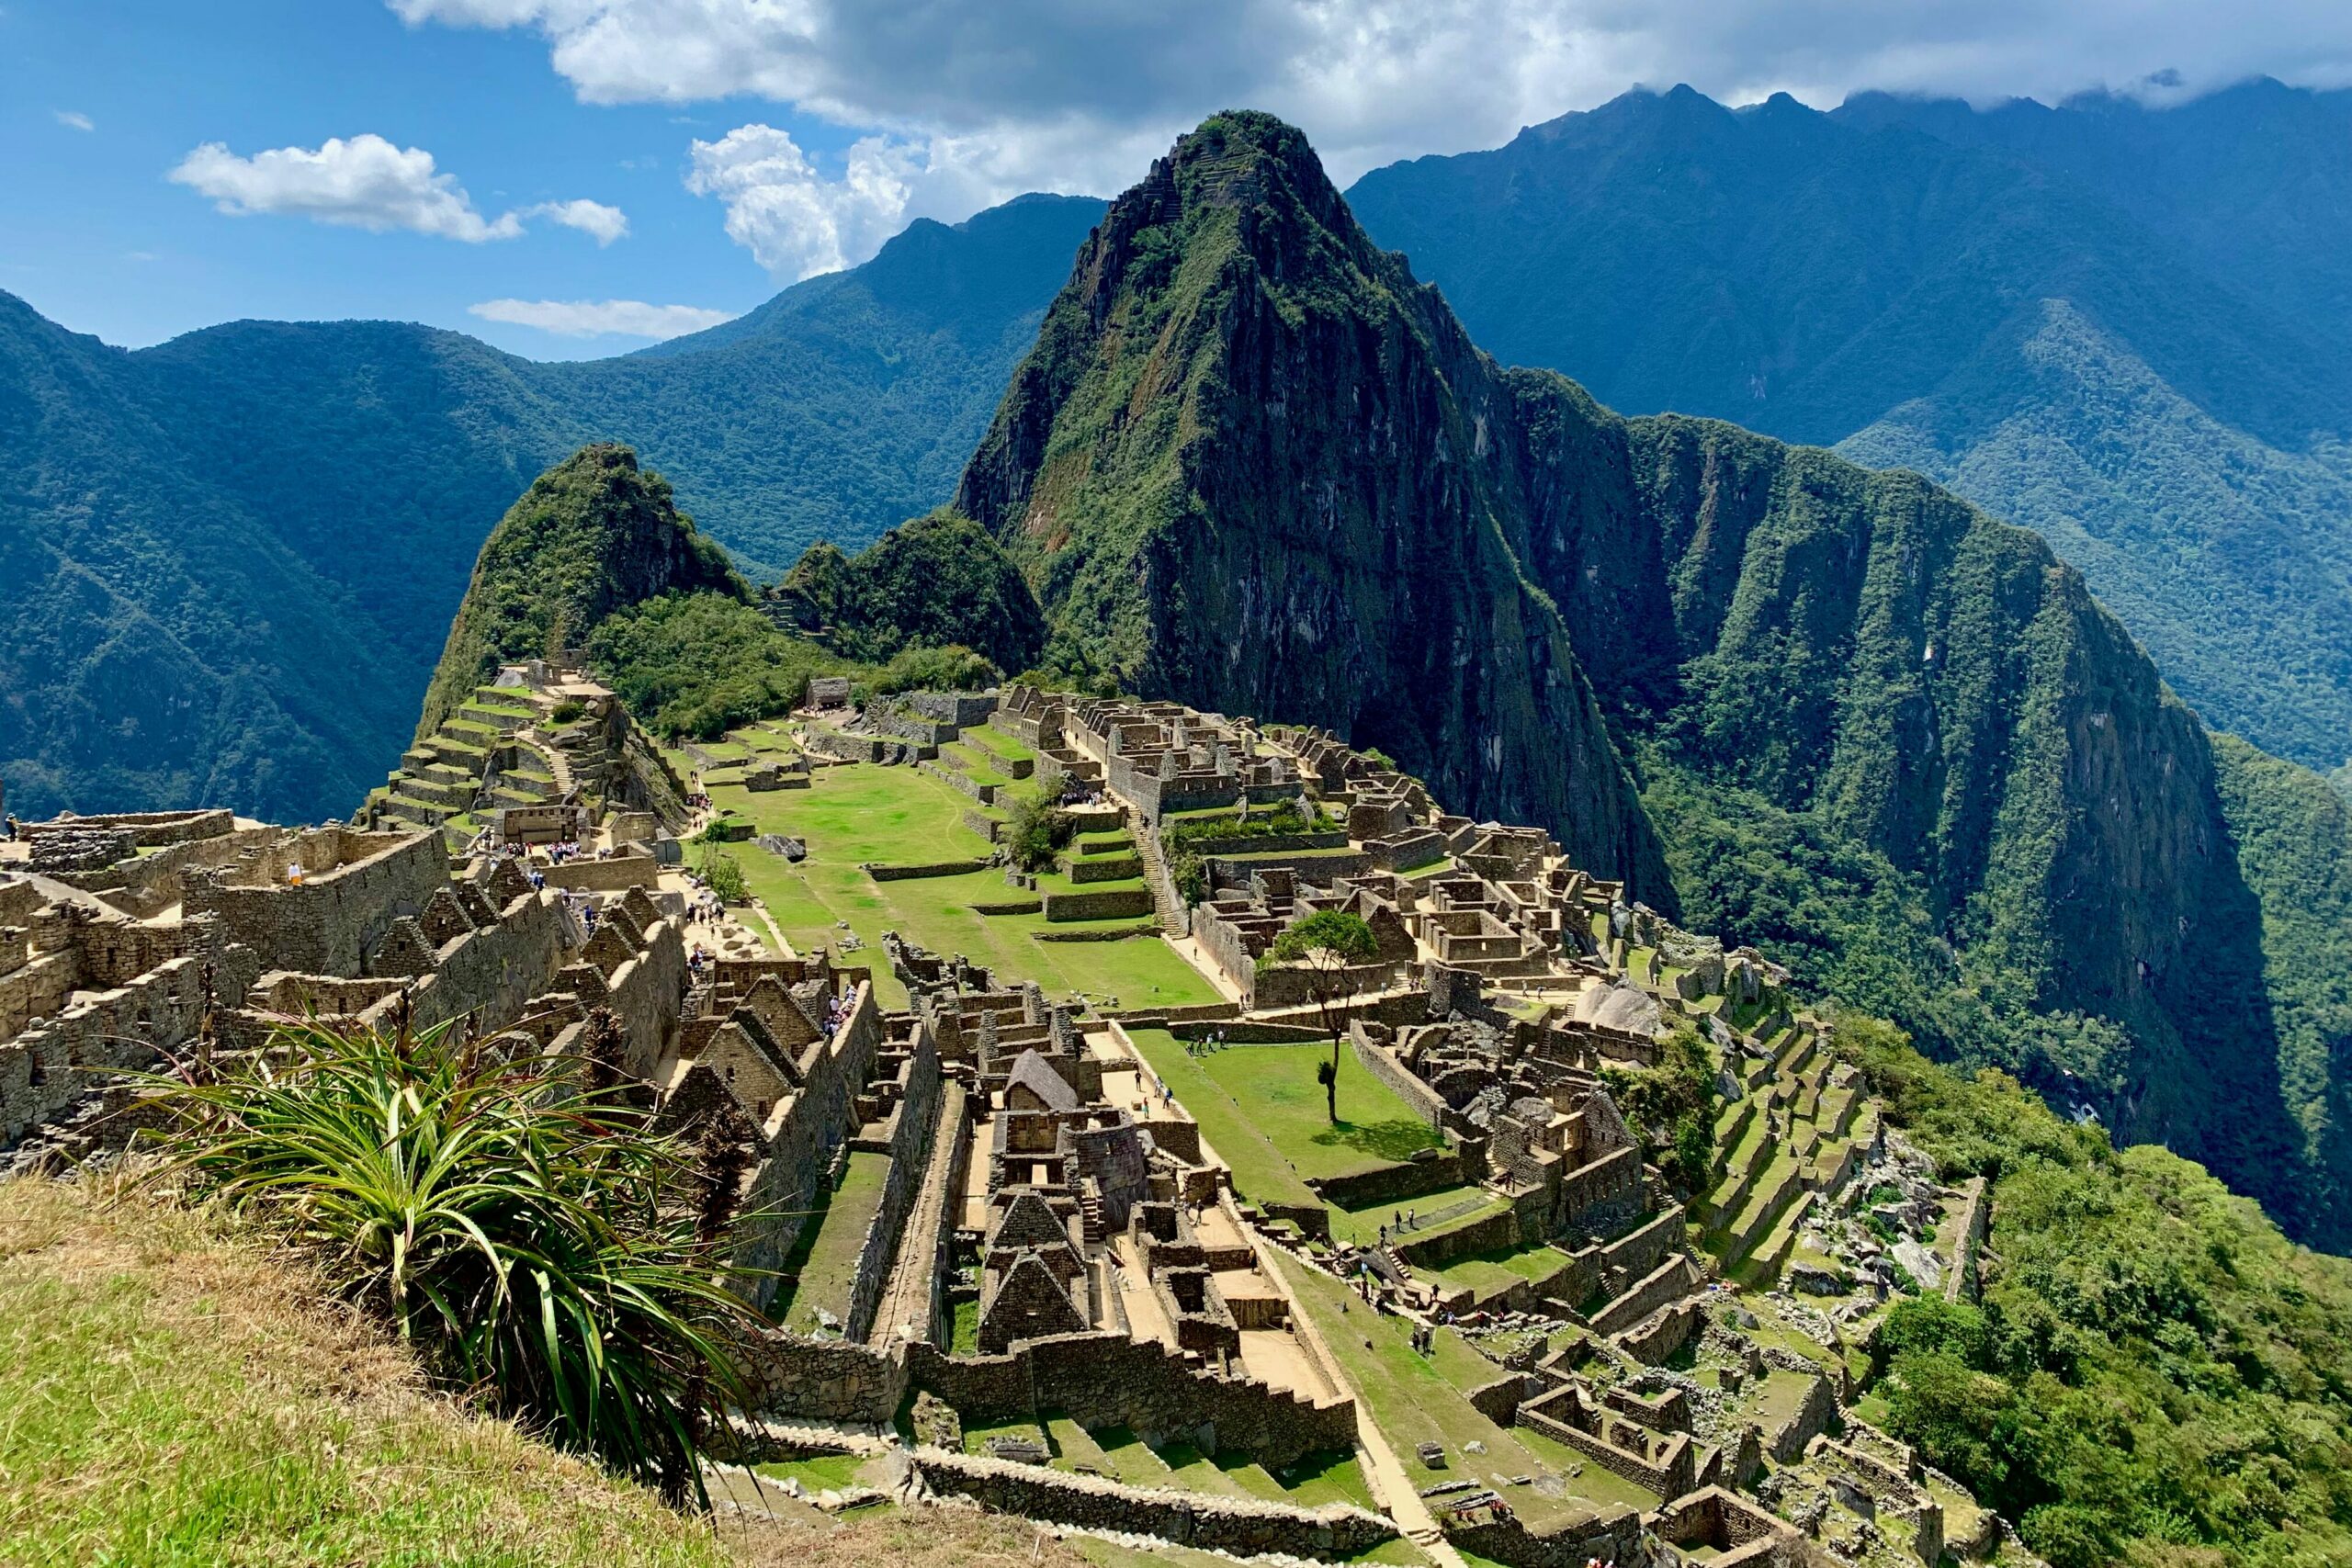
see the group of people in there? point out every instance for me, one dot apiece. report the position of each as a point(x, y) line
point(1399, 1221)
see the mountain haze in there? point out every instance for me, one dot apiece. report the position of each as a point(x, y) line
point(1253, 464)
point(209, 538)
point(2125, 328)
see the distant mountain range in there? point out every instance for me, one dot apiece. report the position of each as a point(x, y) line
point(230, 559)
point(2128, 329)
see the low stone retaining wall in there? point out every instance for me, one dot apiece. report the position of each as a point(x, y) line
point(1244, 1527)
point(986, 826)
point(1117, 933)
point(1245, 1031)
point(1230, 871)
point(1008, 906)
point(1102, 868)
point(1391, 1183)
point(880, 872)
point(1482, 1234)
point(1382, 1063)
point(1267, 843)
point(1124, 903)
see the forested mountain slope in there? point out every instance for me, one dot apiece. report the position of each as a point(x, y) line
point(1251, 464)
point(210, 540)
point(2124, 328)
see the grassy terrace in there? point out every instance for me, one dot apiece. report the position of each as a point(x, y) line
point(1261, 1110)
point(1416, 1399)
point(830, 1260)
point(897, 815)
point(1011, 747)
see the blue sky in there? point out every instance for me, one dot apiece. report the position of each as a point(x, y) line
point(100, 239)
point(508, 166)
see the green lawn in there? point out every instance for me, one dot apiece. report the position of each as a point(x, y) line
point(1259, 1171)
point(1500, 1268)
point(897, 815)
point(826, 1274)
point(1276, 1086)
point(1011, 747)
point(1417, 1398)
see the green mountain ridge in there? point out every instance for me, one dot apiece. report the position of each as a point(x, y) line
point(1253, 465)
point(192, 586)
point(2127, 328)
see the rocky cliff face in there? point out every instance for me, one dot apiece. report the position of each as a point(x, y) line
point(1243, 469)
point(592, 535)
point(1252, 465)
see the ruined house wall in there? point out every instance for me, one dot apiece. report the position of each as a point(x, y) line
point(814, 1122)
point(47, 1071)
point(336, 919)
point(493, 971)
point(911, 1135)
point(1614, 1539)
point(615, 876)
point(1607, 1186)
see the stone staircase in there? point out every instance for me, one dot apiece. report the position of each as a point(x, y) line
point(1173, 916)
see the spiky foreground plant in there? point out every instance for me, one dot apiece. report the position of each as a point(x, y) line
point(526, 1231)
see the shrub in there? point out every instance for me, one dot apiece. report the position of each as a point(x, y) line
point(523, 1229)
point(571, 710)
point(1038, 830)
point(724, 872)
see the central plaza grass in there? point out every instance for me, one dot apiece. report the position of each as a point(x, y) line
point(895, 816)
point(1262, 1110)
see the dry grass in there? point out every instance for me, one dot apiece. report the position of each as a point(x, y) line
point(174, 1393)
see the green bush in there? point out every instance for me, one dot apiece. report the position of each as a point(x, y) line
point(521, 1226)
point(1037, 831)
point(724, 872)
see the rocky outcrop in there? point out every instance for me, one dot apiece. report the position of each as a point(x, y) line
point(1240, 474)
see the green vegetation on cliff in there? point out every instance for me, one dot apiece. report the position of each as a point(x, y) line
point(593, 536)
point(2153, 1373)
point(934, 580)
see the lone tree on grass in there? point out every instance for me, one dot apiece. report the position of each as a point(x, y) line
point(1326, 945)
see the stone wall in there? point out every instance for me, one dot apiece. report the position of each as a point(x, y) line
point(47, 1071)
point(1244, 1527)
point(911, 1127)
point(1612, 1539)
point(820, 1115)
point(962, 709)
point(615, 876)
point(1812, 1418)
point(1099, 1379)
point(1382, 1063)
point(334, 922)
point(1391, 1183)
point(1124, 903)
point(880, 872)
point(1669, 1282)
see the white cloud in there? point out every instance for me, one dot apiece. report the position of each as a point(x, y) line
point(606, 223)
point(790, 217)
point(958, 106)
point(367, 183)
point(596, 318)
point(74, 120)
